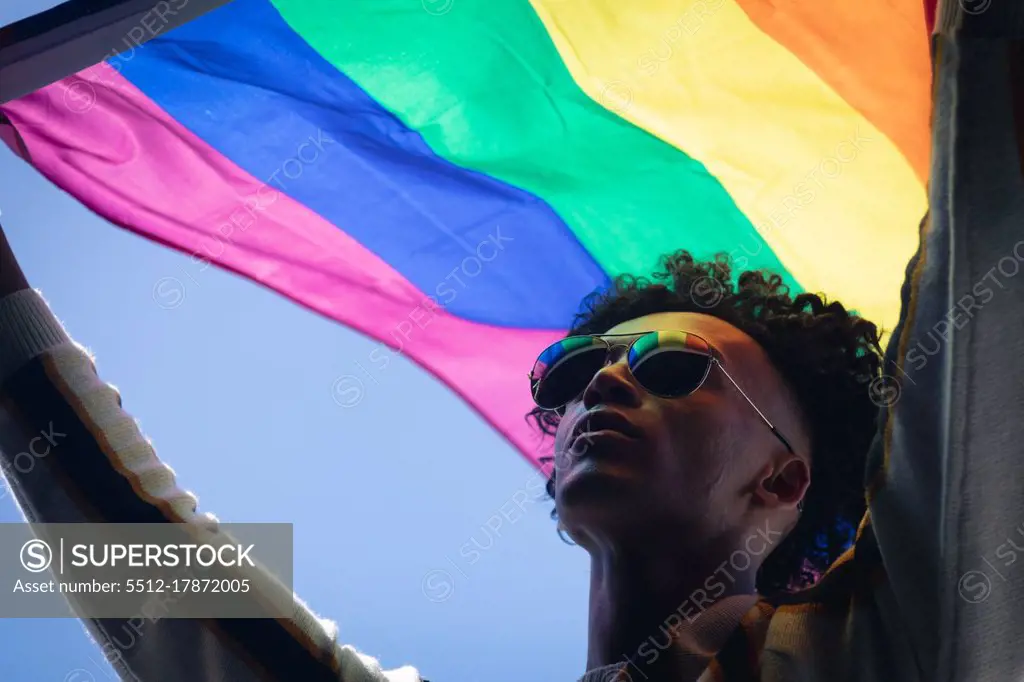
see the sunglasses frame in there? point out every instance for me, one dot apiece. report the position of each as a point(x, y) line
point(713, 360)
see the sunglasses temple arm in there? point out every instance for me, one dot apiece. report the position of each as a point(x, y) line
point(751, 403)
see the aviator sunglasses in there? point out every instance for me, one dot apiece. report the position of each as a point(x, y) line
point(668, 364)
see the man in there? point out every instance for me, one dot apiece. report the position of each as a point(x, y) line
point(703, 467)
point(711, 461)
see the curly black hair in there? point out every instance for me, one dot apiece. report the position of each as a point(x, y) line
point(828, 356)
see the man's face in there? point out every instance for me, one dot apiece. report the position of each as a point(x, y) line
point(687, 466)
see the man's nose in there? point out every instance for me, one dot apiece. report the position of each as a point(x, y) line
point(613, 384)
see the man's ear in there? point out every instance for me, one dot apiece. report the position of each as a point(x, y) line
point(784, 483)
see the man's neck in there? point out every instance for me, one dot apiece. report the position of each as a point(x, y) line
point(641, 607)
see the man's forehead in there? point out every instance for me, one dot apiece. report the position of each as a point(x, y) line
point(719, 332)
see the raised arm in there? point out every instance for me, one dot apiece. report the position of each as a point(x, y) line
point(71, 454)
point(946, 501)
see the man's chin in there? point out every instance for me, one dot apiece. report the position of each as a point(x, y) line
point(597, 487)
point(604, 505)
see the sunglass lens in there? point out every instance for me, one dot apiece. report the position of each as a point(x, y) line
point(563, 371)
point(669, 364)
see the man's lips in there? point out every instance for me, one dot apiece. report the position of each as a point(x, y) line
point(596, 421)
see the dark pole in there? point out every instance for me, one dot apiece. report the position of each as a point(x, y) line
point(77, 34)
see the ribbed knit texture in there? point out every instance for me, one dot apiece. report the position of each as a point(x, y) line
point(26, 329)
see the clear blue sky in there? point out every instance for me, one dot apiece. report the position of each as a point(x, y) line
point(234, 387)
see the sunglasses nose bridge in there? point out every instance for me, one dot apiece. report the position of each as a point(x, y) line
point(617, 348)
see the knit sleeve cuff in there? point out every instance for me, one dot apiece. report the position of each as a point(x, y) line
point(27, 328)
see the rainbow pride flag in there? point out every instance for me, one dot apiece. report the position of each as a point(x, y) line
point(451, 177)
